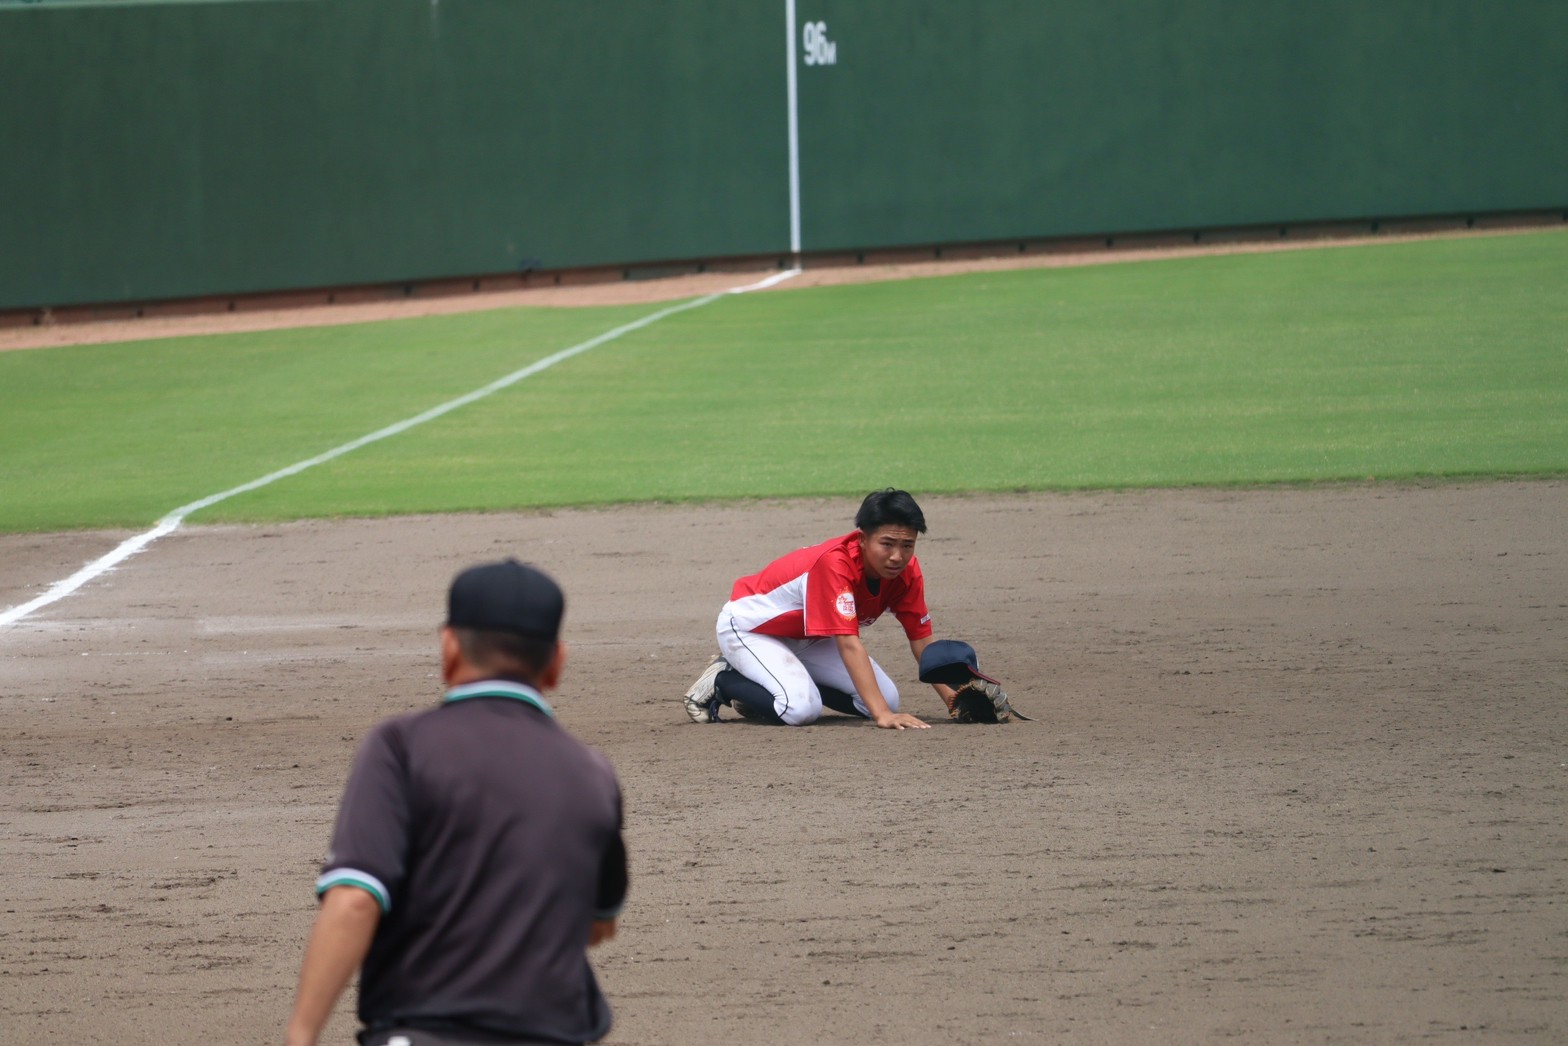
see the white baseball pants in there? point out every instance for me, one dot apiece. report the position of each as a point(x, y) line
point(792, 669)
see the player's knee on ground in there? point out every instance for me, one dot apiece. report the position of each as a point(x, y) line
point(799, 705)
point(884, 684)
point(840, 701)
point(889, 692)
point(803, 710)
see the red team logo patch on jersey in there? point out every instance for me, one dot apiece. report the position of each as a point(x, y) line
point(845, 605)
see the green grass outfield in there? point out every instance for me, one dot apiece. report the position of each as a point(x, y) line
point(1438, 358)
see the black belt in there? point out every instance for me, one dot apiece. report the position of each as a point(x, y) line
point(403, 1035)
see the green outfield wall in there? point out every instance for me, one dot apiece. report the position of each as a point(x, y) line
point(944, 121)
point(183, 149)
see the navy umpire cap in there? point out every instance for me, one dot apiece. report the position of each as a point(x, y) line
point(506, 597)
point(951, 663)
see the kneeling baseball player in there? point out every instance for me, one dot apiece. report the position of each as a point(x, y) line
point(789, 637)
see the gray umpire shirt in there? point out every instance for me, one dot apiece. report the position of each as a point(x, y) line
point(491, 838)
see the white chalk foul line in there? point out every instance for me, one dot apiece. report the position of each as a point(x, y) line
point(172, 521)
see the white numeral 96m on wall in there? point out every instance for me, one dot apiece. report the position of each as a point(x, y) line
point(818, 48)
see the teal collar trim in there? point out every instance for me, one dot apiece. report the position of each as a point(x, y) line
point(499, 688)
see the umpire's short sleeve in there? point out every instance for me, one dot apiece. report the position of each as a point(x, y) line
point(370, 841)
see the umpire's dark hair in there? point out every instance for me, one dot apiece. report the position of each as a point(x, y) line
point(506, 655)
point(890, 507)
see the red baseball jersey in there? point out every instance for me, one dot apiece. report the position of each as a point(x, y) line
point(823, 591)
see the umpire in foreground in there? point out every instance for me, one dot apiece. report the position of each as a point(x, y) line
point(477, 853)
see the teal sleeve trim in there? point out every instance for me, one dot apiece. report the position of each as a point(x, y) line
point(353, 877)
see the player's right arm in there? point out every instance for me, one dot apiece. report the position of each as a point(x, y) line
point(853, 653)
point(339, 939)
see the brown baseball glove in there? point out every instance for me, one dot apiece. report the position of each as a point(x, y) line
point(979, 701)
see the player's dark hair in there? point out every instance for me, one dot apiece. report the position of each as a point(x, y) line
point(505, 655)
point(890, 507)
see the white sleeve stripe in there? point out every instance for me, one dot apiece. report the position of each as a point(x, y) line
point(354, 877)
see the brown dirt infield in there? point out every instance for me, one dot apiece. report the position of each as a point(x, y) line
point(1298, 774)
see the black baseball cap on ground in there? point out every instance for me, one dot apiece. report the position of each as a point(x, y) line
point(506, 597)
point(951, 663)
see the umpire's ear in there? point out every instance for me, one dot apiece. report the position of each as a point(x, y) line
point(451, 654)
point(550, 678)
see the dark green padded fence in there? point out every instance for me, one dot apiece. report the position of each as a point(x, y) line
point(169, 150)
point(155, 151)
point(944, 121)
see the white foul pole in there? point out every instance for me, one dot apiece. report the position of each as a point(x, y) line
point(794, 134)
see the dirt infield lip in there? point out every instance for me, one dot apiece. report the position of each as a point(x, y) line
point(1370, 484)
point(635, 285)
